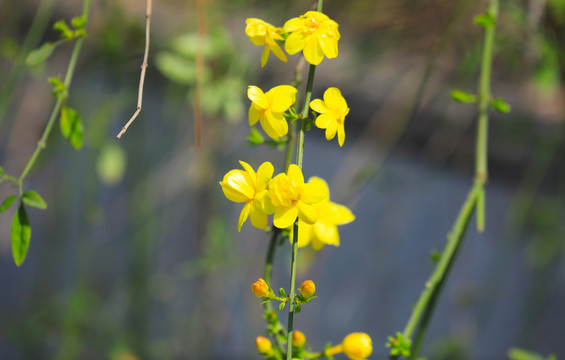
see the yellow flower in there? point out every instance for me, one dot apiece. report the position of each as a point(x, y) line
point(269, 107)
point(357, 346)
point(249, 187)
point(330, 215)
point(307, 289)
point(262, 33)
point(264, 345)
point(314, 32)
point(333, 110)
point(289, 197)
point(260, 288)
point(298, 339)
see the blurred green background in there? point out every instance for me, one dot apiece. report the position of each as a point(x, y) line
point(138, 255)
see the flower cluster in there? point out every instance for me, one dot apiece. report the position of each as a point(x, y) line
point(288, 197)
point(316, 35)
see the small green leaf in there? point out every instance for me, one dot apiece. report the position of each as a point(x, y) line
point(33, 199)
point(500, 105)
point(59, 89)
point(463, 97)
point(520, 354)
point(281, 306)
point(78, 22)
point(485, 20)
point(255, 138)
point(71, 127)
point(20, 235)
point(8, 202)
point(63, 28)
point(40, 55)
point(435, 256)
point(282, 293)
point(2, 173)
point(298, 309)
point(111, 164)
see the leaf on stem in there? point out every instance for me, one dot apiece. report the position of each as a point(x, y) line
point(255, 138)
point(500, 105)
point(63, 28)
point(463, 97)
point(71, 127)
point(38, 56)
point(2, 173)
point(20, 235)
point(7, 203)
point(485, 20)
point(33, 199)
point(520, 354)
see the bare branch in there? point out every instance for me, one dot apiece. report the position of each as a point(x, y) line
point(143, 69)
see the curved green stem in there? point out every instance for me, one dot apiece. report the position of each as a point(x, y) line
point(68, 77)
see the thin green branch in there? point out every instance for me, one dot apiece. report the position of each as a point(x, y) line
point(68, 78)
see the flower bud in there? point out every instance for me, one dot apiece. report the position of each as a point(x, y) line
point(260, 288)
point(307, 289)
point(264, 345)
point(298, 339)
point(357, 346)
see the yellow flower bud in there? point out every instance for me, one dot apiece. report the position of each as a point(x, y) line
point(298, 339)
point(307, 289)
point(260, 288)
point(264, 345)
point(357, 346)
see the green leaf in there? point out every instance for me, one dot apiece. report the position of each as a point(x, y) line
point(255, 138)
point(78, 22)
point(59, 89)
point(175, 67)
point(8, 202)
point(520, 354)
point(2, 172)
point(298, 309)
point(20, 235)
point(485, 20)
point(38, 56)
point(463, 97)
point(282, 293)
point(33, 199)
point(281, 306)
point(64, 29)
point(500, 105)
point(71, 127)
point(111, 164)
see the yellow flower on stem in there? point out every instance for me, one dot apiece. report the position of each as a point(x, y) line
point(298, 339)
point(313, 32)
point(289, 197)
point(333, 110)
point(249, 187)
point(268, 108)
point(307, 289)
point(263, 33)
point(356, 346)
point(260, 288)
point(263, 345)
point(330, 215)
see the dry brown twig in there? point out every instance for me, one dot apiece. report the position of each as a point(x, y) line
point(143, 69)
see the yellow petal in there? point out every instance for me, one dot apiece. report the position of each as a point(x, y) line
point(243, 215)
point(328, 44)
point(331, 130)
point(294, 43)
point(278, 52)
point(257, 216)
point(319, 106)
point(326, 233)
point(335, 213)
point(334, 100)
point(324, 121)
point(293, 25)
point(250, 171)
point(265, 56)
point(257, 96)
point(318, 16)
point(264, 174)
point(315, 191)
point(284, 217)
point(312, 50)
point(237, 186)
point(317, 245)
point(307, 212)
point(281, 98)
point(253, 115)
point(295, 175)
point(267, 204)
point(340, 134)
point(304, 234)
point(274, 124)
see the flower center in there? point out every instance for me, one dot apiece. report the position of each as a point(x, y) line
point(311, 25)
point(285, 193)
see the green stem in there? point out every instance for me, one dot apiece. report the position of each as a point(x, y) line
point(453, 240)
point(299, 160)
point(484, 96)
point(68, 77)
